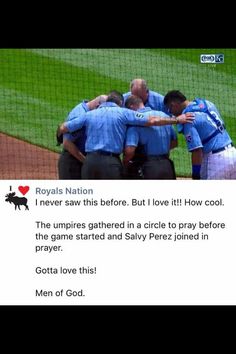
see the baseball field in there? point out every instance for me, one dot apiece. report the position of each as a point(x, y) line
point(38, 87)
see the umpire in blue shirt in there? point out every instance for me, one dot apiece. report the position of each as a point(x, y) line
point(106, 131)
point(156, 143)
point(152, 99)
point(73, 154)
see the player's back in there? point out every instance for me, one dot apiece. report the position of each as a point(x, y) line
point(156, 139)
point(209, 127)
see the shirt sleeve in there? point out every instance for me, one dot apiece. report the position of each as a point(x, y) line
point(78, 111)
point(133, 117)
point(132, 137)
point(76, 123)
point(192, 137)
point(68, 136)
point(85, 106)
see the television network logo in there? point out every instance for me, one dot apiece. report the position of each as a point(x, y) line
point(212, 58)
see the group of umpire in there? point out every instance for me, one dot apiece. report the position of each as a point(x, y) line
point(135, 125)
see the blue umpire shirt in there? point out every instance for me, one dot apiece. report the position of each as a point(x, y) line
point(156, 139)
point(203, 127)
point(78, 137)
point(106, 126)
point(155, 101)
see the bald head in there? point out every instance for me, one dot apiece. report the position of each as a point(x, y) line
point(138, 87)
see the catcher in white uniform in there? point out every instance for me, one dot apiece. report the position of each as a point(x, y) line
point(213, 152)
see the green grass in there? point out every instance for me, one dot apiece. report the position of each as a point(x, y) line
point(38, 87)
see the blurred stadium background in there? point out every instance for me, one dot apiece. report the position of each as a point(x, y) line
point(38, 88)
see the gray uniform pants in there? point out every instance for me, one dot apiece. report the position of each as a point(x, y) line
point(158, 168)
point(98, 166)
point(68, 166)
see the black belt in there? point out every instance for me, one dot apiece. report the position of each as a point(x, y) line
point(222, 149)
point(104, 153)
point(158, 157)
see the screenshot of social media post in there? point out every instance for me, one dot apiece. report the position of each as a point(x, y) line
point(109, 243)
point(117, 178)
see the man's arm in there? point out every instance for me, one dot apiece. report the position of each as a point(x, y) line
point(72, 125)
point(73, 150)
point(159, 121)
point(196, 163)
point(62, 129)
point(128, 154)
point(93, 104)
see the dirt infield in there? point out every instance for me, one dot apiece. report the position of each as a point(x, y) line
point(21, 160)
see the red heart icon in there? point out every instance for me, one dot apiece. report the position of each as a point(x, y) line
point(23, 190)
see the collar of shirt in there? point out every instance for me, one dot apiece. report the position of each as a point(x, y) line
point(145, 109)
point(197, 105)
point(108, 104)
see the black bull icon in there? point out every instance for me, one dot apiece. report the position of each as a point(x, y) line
point(11, 198)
